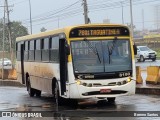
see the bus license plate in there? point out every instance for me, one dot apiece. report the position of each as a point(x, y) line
point(105, 90)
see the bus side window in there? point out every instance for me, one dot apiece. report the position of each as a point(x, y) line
point(54, 49)
point(31, 50)
point(18, 53)
point(45, 49)
point(26, 51)
point(38, 50)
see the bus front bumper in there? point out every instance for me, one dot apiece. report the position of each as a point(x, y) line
point(104, 91)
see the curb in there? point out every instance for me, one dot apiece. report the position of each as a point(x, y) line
point(148, 90)
point(10, 83)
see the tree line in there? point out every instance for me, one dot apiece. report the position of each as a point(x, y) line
point(17, 30)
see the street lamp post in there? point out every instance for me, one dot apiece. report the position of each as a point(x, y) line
point(30, 15)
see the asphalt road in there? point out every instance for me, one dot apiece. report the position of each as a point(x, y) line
point(17, 99)
point(148, 63)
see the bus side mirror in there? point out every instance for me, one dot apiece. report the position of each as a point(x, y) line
point(135, 49)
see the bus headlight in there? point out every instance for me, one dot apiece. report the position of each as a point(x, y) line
point(84, 84)
point(78, 82)
point(81, 83)
point(129, 79)
point(124, 82)
point(89, 85)
point(118, 83)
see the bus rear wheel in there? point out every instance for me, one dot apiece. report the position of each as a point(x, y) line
point(30, 90)
point(111, 100)
point(38, 93)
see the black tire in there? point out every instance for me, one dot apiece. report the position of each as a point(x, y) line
point(59, 100)
point(102, 102)
point(38, 93)
point(153, 59)
point(142, 58)
point(30, 90)
point(111, 100)
point(72, 102)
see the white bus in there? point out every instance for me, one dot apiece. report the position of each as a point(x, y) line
point(78, 62)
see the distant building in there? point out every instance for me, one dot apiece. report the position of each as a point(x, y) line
point(152, 36)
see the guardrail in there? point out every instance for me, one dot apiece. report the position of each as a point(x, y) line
point(139, 79)
point(153, 75)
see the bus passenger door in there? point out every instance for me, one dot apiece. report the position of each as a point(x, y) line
point(22, 63)
point(63, 64)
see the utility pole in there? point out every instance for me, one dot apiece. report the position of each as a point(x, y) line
point(86, 19)
point(9, 32)
point(3, 42)
point(143, 21)
point(131, 15)
point(30, 10)
point(122, 12)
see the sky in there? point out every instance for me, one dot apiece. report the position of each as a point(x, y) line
point(53, 14)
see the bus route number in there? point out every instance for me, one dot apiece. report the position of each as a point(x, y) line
point(99, 32)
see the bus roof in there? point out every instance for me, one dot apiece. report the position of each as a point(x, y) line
point(64, 30)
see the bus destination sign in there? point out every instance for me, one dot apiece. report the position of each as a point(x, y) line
point(99, 31)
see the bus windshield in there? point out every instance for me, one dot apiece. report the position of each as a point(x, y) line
point(111, 56)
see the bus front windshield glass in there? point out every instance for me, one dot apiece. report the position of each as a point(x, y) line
point(101, 56)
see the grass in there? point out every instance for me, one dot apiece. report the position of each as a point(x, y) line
point(158, 53)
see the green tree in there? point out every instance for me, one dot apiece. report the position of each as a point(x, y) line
point(43, 29)
point(17, 30)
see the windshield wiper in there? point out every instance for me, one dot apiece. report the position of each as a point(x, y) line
point(111, 48)
point(94, 49)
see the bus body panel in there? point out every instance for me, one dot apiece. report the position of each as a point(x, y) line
point(76, 91)
point(42, 73)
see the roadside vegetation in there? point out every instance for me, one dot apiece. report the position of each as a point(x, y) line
point(158, 53)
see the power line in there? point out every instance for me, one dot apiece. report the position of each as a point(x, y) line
point(49, 15)
point(61, 16)
point(92, 8)
point(98, 7)
point(16, 3)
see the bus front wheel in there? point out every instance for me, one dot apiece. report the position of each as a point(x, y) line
point(73, 103)
point(59, 100)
